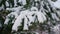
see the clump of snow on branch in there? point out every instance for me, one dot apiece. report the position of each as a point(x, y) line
point(28, 14)
point(15, 13)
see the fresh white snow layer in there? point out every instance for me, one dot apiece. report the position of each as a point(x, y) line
point(57, 4)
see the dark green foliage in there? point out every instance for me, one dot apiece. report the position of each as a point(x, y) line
point(33, 27)
point(7, 29)
point(45, 7)
point(54, 0)
point(28, 5)
point(29, 33)
point(3, 2)
point(11, 2)
point(2, 19)
point(22, 33)
point(20, 28)
point(11, 18)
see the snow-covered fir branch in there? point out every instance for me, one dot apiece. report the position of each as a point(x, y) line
point(32, 11)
